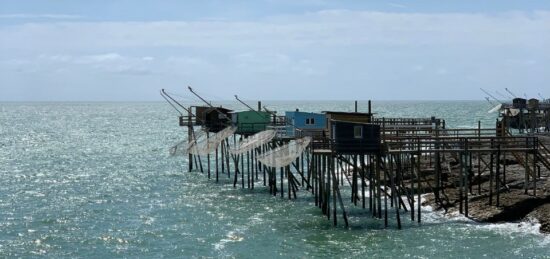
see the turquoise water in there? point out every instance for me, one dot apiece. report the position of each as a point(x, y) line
point(96, 180)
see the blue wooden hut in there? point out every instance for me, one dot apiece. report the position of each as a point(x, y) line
point(304, 123)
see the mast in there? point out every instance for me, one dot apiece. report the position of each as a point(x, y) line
point(248, 106)
point(490, 95)
point(510, 92)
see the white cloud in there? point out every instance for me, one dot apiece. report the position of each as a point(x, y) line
point(397, 5)
point(521, 62)
point(418, 67)
point(441, 71)
point(381, 54)
point(337, 28)
point(39, 16)
point(107, 62)
point(275, 63)
point(108, 57)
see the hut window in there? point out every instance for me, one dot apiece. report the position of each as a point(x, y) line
point(358, 131)
point(310, 121)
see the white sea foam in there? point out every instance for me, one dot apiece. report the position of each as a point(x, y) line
point(529, 226)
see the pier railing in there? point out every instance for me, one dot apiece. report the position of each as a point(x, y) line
point(187, 120)
point(406, 121)
point(458, 144)
point(321, 143)
point(426, 132)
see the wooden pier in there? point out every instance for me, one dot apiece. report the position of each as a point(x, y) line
point(386, 164)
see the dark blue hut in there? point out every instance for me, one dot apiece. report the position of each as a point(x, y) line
point(355, 137)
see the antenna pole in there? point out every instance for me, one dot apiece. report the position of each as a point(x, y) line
point(193, 92)
point(164, 93)
point(501, 95)
point(169, 102)
point(510, 92)
point(490, 95)
point(209, 104)
point(491, 103)
point(236, 97)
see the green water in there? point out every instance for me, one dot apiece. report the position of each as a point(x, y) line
point(96, 180)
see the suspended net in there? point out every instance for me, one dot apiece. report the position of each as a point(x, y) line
point(254, 141)
point(205, 145)
point(182, 147)
point(179, 148)
point(496, 108)
point(286, 154)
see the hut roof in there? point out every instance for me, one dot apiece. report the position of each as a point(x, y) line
point(353, 122)
point(302, 112)
point(224, 110)
point(348, 113)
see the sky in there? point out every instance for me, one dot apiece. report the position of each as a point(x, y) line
point(127, 50)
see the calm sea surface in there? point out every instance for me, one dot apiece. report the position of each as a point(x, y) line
point(96, 180)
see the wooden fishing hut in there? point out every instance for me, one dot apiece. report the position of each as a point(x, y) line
point(359, 117)
point(525, 116)
point(213, 119)
point(351, 154)
point(250, 122)
point(355, 138)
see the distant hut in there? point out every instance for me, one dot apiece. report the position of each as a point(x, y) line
point(533, 104)
point(519, 103)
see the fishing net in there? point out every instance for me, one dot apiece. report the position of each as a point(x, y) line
point(182, 147)
point(201, 145)
point(254, 141)
point(179, 148)
point(286, 154)
point(496, 108)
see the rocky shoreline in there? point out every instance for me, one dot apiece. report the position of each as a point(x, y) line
point(514, 204)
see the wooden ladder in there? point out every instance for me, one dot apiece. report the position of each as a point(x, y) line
point(543, 155)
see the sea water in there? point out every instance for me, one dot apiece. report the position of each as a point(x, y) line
point(96, 180)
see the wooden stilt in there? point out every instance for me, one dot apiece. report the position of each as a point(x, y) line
point(217, 165)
